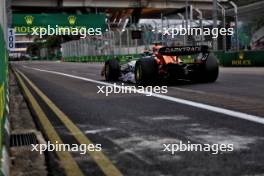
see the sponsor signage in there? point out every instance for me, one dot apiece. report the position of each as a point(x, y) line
point(241, 61)
point(183, 50)
point(23, 23)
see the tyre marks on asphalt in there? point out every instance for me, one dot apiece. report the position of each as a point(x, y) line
point(145, 139)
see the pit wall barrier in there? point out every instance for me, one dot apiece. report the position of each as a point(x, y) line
point(226, 59)
point(4, 109)
point(241, 59)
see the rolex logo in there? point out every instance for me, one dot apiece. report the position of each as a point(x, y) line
point(241, 55)
point(29, 20)
point(72, 20)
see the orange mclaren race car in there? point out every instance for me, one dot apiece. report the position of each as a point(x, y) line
point(165, 63)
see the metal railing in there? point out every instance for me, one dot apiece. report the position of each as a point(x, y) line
point(118, 42)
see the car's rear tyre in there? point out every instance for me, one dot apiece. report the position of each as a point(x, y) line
point(146, 72)
point(209, 70)
point(112, 70)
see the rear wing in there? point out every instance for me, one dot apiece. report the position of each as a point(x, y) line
point(185, 50)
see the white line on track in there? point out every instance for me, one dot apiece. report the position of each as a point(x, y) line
point(224, 111)
point(188, 90)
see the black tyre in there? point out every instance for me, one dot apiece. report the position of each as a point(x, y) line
point(112, 70)
point(209, 70)
point(146, 72)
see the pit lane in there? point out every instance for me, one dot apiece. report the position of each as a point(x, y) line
point(132, 128)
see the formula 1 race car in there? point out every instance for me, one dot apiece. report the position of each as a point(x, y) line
point(167, 63)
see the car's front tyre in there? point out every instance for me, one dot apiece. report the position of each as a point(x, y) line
point(146, 72)
point(112, 70)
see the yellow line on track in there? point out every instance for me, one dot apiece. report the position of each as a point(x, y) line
point(66, 160)
point(102, 161)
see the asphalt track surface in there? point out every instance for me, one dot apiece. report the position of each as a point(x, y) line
point(132, 128)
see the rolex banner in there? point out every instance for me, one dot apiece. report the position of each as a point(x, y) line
point(23, 23)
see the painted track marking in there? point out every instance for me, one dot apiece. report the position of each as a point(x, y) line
point(66, 160)
point(102, 161)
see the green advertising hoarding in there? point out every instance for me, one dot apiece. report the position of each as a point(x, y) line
point(23, 23)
